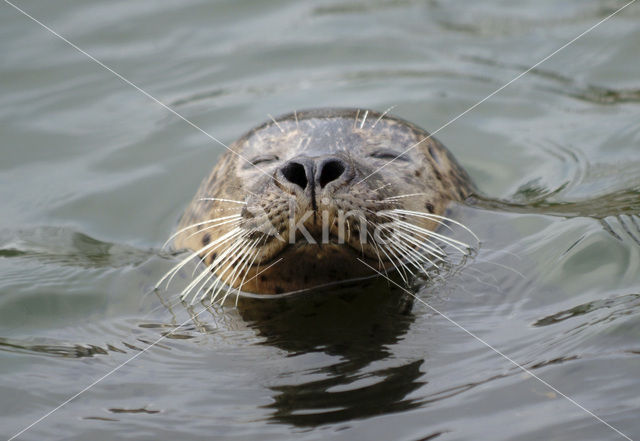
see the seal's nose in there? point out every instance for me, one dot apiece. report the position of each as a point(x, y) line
point(298, 171)
point(329, 170)
point(320, 172)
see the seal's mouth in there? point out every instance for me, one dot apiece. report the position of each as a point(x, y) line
point(317, 248)
point(342, 233)
point(340, 252)
point(304, 265)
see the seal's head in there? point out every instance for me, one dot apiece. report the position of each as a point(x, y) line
point(321, 196)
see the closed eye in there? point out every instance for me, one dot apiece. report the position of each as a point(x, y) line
point(263, 159)
point(388, 155)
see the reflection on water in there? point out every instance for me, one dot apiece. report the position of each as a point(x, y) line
point(93, 178)
point(327, 401)
point(617, 306)
point(355, 327)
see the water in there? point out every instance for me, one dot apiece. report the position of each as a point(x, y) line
point(94, 175)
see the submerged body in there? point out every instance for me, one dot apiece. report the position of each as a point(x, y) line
point(318, 197)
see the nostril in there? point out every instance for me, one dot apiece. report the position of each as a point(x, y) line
point(295, 173)
point(331, 170)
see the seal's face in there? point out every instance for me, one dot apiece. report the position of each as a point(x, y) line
point(318, 197)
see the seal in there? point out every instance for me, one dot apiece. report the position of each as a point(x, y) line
point(318, 197)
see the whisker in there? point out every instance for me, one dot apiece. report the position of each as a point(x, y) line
point(401, 270)
point(375, 247)
point(219, 282)
point(382, 116)
point(394, 214)
point(237, 236)
point(383, 186)
point(242, 282)
point(415, 258)
point(207, 274)
point(438, 236)
point(238, 265)
point(179, 266)
point(275, 122)
point(430, 215)
point(173, 236)
point(424, 235)
point(425, 247)
point(257, 274)
point(430, 251)
point(241, 266)
point(223, 200)
point(209, 271)
point(364, 118)
point(382, 248)
point(232, 222)
point(203, 274)
point(172, 272)
point(401, 196)
point(239, 242)
point(427, 244)
point(402, 259)
point(249, 255)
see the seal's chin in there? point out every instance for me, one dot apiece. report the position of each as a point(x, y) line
point(304, 265)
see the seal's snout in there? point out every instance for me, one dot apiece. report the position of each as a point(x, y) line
point(303, 173)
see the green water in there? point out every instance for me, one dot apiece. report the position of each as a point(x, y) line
point(94, 176)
